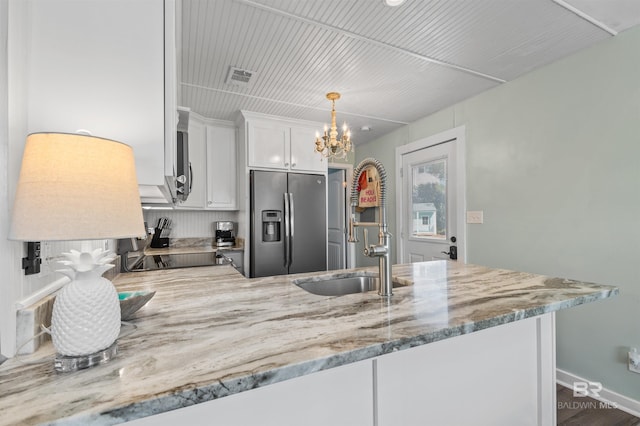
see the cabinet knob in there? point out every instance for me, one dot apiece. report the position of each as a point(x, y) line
point(293, 164)
point(286, 164)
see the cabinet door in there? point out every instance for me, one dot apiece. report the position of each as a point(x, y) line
point(99, 66)
point(221, 168)
point(339, 396)
point(197, 159)
point(503, 375)
point(303, 155)
point(268, 145)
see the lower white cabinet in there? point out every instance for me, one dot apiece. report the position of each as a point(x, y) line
point(503, 375)
point(341, 396)
point(212, 154)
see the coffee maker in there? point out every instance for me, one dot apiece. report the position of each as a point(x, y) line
point(225, 234)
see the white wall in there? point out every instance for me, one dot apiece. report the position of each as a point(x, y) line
point(4, 147)
point(553, 160)
point(13, 38)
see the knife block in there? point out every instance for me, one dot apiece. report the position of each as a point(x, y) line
point(157, 241)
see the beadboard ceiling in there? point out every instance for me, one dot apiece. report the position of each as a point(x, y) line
point(392, 65)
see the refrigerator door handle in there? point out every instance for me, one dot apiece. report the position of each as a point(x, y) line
point(286, 229)
point(292, 226)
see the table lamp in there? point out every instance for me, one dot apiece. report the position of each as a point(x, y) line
point(79, 187)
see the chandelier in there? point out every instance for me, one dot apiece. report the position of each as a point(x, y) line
point(330, 145)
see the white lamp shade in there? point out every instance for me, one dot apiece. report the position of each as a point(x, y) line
point(76, 187)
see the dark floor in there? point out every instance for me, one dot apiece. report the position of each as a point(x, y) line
point(585, 411)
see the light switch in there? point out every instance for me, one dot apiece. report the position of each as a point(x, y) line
point(475, 216)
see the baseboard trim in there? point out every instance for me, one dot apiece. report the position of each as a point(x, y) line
point(622, 402)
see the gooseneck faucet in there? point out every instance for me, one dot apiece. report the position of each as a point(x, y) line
point(383, 249)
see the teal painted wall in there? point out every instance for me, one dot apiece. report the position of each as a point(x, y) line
point(553, 160)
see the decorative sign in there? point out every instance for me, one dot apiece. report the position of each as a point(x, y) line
point(369, 188)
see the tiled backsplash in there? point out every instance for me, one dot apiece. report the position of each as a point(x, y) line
point(189, 223)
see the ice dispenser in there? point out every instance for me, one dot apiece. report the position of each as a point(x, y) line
point(271, 223)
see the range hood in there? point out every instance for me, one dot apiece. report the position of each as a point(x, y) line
point(152, 195)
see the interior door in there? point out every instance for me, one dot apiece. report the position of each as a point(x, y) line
point(336, 219)
point(429, 228)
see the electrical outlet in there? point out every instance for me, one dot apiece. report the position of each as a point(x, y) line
point(475, 216)
point(634, 360)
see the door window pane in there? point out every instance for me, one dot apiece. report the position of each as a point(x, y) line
point(429, 199)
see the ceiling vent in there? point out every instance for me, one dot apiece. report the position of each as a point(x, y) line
point(239, 77)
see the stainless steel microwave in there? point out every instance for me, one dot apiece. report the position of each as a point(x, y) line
point(184, 173)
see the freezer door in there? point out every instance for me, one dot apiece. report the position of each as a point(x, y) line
point(308, 204)
point(267, 253)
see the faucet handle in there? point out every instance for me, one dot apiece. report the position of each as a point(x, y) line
point(366, 242)
point(353, 232)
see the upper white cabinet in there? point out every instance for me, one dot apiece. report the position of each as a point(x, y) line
point(282, 144)
point(212, 154)
point(303, 155)
point(100, 66)
point(221, 168)
point(269, 143)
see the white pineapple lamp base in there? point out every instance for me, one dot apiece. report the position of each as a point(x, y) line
point(86, 313)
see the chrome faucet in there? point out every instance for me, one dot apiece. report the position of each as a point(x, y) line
point(383, 249)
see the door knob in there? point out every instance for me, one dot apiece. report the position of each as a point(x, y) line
point(453, 252)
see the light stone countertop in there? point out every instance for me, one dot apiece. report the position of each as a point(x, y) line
point(210, 332)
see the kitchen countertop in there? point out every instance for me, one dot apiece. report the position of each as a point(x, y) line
point(210, 332)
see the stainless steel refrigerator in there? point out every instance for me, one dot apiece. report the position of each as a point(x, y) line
point(288, 223)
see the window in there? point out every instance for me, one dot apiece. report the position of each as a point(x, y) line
point(429, 199)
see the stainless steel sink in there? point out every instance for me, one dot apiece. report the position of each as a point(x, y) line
point(338, 286)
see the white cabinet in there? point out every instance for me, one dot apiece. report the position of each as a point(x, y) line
point(303, 155)
point(268, 143)
point(212, 154)
point(221, 168)
point(339, 396)
point(100, 66)
point(282, 144)
point(503, 375)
